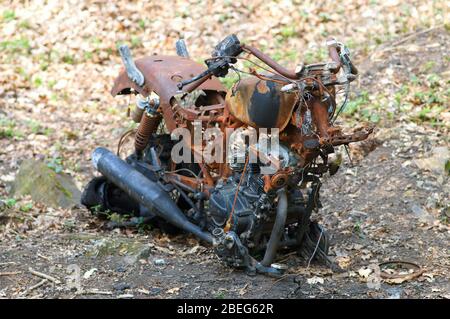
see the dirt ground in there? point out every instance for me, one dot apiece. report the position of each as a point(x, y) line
point(383, 205)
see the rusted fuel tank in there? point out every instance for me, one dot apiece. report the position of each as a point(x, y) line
point(260, 103)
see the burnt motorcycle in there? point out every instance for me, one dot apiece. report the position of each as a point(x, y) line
point(246, 212)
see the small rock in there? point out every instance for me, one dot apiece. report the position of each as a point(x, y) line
point(364, 272)
point(89, 273)
point(121, 286)
point(174, 290)
point(315, 280)
point(355, 213)
point(421, 214)
point(132, 250)
point(155, 290)
point(121, 269)
point(432, 201)
point(159, 262)
point(394, 293)
point(437, 162)
point(137, 254)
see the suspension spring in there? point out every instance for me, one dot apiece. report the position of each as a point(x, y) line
point(149, 124)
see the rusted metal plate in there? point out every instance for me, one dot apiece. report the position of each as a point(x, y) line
point(357, 135)
point(162, 73)
point(260, 103)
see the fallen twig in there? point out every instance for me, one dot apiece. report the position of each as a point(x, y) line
point(45, 276)
point(30, 289)
point(94, 292)
point(400, 278)
point(43, 257)
point(209, 280)
point(286, 257)
point(415, 34)
point(9, 273)
point(280, 279)
point(7, 263)
point(40, 283)
point(144, 291)
point(392, 46)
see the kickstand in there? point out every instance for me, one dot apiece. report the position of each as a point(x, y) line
point(347, 150)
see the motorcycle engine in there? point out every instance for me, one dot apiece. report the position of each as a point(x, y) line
point(250, 206)
point(249, 200)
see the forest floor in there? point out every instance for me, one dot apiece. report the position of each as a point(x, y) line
point(391, 202)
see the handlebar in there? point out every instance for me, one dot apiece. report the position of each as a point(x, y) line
point(270, 62)
point(223, 55)
point(257, 53)
point(338, 52)
point(198, 80)
point(230, 47)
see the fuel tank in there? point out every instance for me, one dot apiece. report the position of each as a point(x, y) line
point(260, 103)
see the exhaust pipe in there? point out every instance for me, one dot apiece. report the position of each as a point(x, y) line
point(143, 190)
point(277, 230)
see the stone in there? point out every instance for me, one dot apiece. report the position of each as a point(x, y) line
point(88, 274)
point(394, 293)
point(44, 185)
point(121, 286)
point(421, 214)
point(437, 162)
point(159, 262)
point(155, 290)
point(131, 250)
point(121, 268)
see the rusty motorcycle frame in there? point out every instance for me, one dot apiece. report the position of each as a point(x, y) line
point(231, 205)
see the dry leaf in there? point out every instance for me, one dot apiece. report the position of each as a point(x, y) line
point(315, 280)
point(243, 290)
point(89, 273)
point(173, 290)
point(364, 272)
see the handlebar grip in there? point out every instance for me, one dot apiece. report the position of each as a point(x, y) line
point(333, 53)
point(337, 56)
point(205, 74)
point(194, 85)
